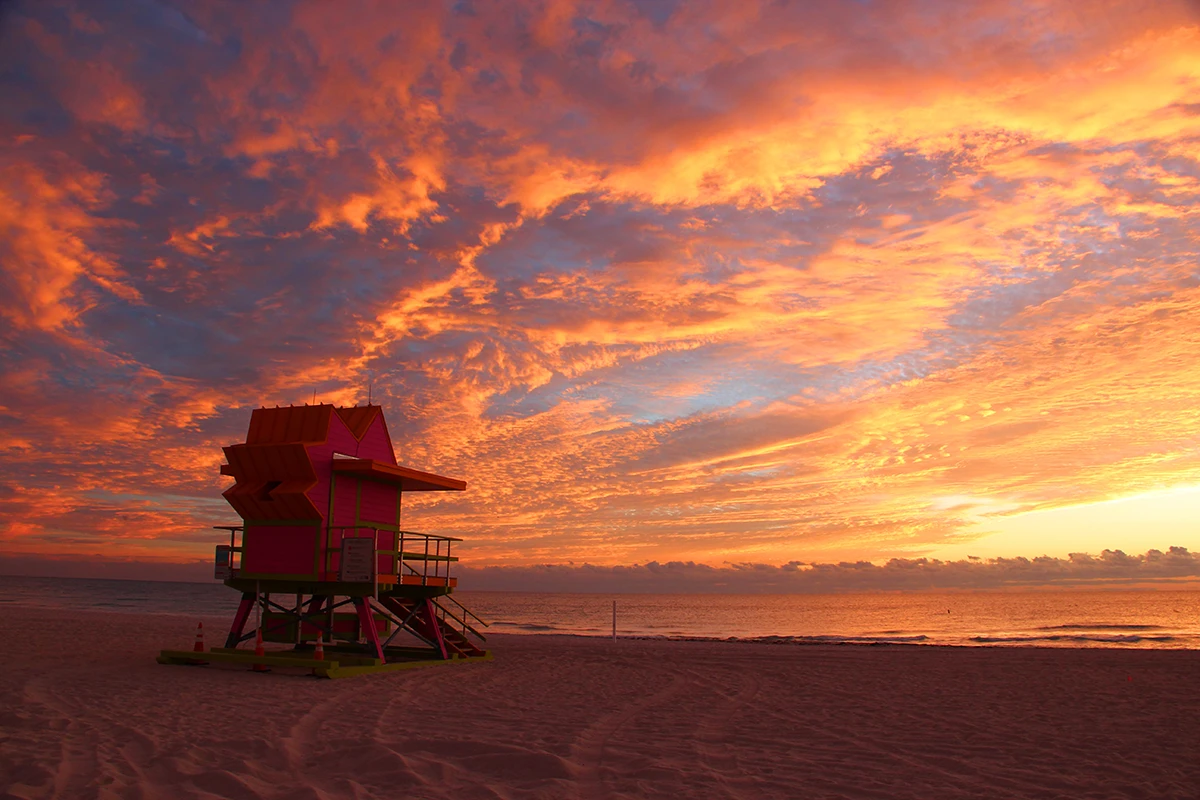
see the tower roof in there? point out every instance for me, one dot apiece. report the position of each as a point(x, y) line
point(408, 480)
point(294, 424)
point(306, 424)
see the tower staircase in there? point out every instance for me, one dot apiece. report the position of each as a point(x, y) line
point(441, 622)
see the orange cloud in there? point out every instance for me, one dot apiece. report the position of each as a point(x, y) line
point(712, 282)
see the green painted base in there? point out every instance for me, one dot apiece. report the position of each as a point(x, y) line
point(335, 665)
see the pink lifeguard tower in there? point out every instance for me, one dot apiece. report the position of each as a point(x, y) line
point(321, 555)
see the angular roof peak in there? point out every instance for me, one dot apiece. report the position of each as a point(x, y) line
point(358, 418)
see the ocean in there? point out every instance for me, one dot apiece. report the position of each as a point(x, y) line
point(1075, 618)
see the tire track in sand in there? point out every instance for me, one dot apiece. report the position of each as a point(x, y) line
point(72, 776)
point(587, 751)
point(716, 753)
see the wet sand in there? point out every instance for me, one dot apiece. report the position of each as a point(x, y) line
point(86, 712)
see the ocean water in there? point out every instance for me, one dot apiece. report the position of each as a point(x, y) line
point(1120, 619)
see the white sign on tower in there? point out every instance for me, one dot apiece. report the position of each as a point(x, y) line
point(358, 560)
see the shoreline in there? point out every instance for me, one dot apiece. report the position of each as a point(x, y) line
point(1146, 641)
point(834, 641)
point(1124, 621)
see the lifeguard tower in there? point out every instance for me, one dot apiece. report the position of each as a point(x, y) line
point(321, 555)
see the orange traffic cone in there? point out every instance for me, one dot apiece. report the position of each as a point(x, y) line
point(258, 651)
point(318, 653)
point(199, 647)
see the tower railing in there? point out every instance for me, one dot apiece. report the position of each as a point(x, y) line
point(418, 557)
point(228, 558)
point(463, 627)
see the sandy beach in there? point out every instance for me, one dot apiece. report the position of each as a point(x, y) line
point(86, 712)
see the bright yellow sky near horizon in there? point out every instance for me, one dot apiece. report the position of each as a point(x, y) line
point(1135, 524)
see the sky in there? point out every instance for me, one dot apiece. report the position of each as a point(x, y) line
point(717, 283)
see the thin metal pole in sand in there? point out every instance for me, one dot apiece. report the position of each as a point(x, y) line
point(614, 620)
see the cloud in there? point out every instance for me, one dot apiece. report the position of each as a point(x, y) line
point(1110, 568)
point(100, 566)
point(686, 282)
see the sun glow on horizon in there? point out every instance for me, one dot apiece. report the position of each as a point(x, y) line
point(1135, 523)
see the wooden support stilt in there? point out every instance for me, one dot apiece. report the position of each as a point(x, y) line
point(239, 620)
point(315, 603)
point(429, 611)
point(366, 621)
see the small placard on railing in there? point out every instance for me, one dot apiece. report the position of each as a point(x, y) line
point(358, 560)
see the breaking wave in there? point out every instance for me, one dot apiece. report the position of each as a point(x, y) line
point(832, 639)
point(1098, 626)
point(1100, 638)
